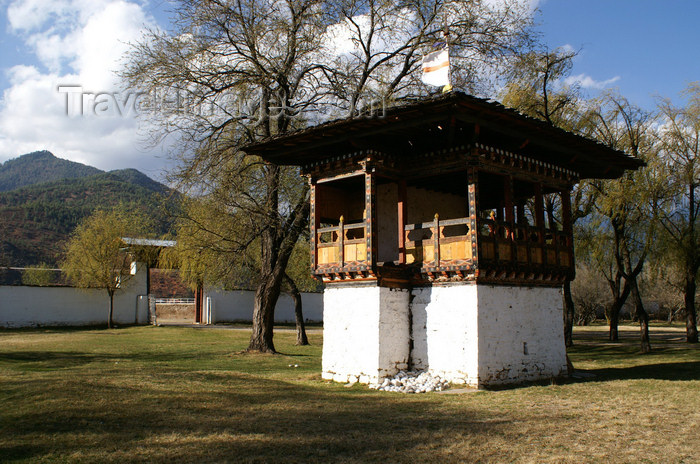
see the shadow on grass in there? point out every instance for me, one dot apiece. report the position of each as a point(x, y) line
point(670, 357)
point(239, 419)
point(662, 371)
point(57, 360)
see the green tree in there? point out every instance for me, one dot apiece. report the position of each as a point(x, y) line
point(624, 205)
point(96, 256)
point(679, 208)
point(210, 250)
point(245, 70)
point(38, 276)
point(536, 87)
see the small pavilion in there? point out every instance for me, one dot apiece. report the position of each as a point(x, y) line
point(442, 230)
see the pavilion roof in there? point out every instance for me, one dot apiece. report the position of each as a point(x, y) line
point(451, 119)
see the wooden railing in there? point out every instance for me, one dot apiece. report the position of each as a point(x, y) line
point(502, 242)
point(341, 245)
point(441, 243)
point(438, 241)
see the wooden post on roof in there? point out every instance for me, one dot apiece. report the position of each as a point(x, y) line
point(402, 210)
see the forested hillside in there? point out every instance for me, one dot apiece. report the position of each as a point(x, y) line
point(37, 219)
point(40, 167)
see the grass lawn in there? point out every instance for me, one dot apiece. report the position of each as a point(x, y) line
point(174, 394)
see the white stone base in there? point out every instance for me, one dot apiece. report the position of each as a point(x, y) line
point(485, 335)
point(365, 333)
point(480, 335)
point(521, 334)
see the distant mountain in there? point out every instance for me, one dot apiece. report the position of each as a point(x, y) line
point(40, 167)
point(136, 177)
point(36, 220)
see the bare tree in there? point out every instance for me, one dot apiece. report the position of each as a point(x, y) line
point(232, 72)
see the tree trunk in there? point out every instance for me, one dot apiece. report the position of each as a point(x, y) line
point(569, 313)
point(614, 310)
point(298, 314)
point(642, 316)
point(111, 309)
point(614, 320)
point(266, 297)
point(691, 325)
point(276, 245)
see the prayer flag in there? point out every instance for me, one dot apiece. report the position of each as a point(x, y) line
point(436, 68)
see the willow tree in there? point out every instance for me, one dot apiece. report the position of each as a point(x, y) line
point(232, 72)
point(96, 256)
point(679, 211)
point(537, 87)
point(209, 251)
point(625, 206)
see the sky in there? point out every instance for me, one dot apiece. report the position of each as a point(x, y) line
point(50, 50)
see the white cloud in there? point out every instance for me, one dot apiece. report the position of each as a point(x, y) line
point(567, 48)
point(77, 42)
point(587, 82)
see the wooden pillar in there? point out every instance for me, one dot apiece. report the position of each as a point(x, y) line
point(508, 200)
point(539, 219)
point(314, 223)
point(371, 216)
point(148, 277)
point(341, 241)
point(436, 240)
point(473, 199)
point(566, 224)
point(402, 214)
point(521, 219)
point(198, 303)
point(510, 216)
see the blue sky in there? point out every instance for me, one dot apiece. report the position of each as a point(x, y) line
point(650, 46)
point(645, 48)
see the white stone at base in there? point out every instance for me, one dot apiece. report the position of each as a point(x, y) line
point(472, 334)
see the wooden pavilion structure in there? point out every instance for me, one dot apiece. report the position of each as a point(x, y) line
point(437, 192)
point(486, 170)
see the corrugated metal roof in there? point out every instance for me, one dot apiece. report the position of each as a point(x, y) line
point(149, 242)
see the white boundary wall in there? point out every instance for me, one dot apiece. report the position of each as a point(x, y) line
point(22, 306)
point(237, 305)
